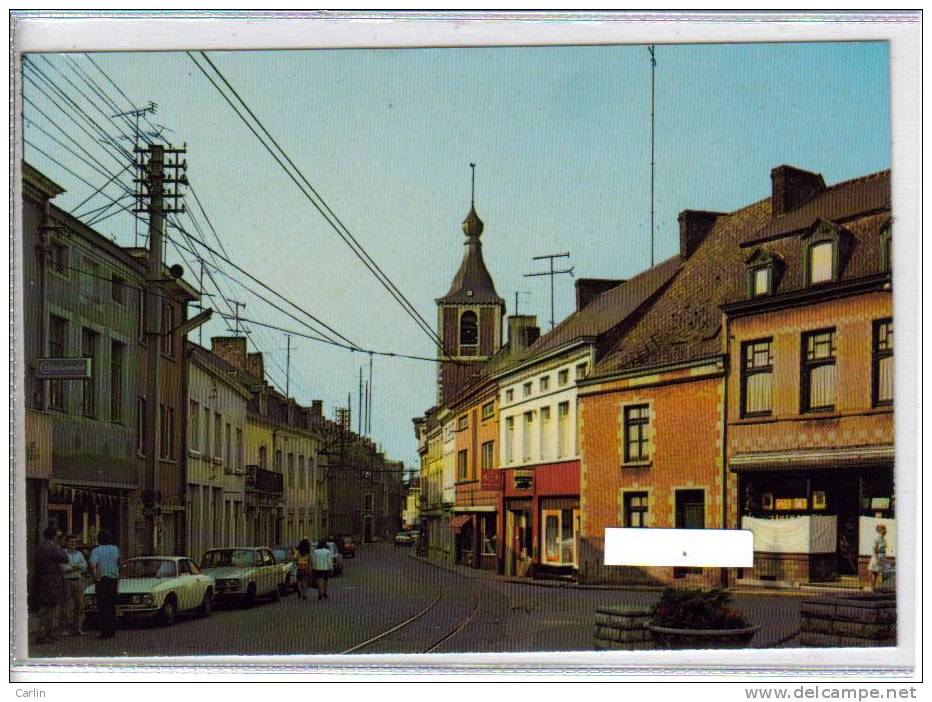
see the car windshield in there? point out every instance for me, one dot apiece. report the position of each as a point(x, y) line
point(228, 557)
point(148, 568)
point(282, 555)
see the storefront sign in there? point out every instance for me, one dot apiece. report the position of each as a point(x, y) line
point(492, 480)
point(63, 368)
point(524, 480)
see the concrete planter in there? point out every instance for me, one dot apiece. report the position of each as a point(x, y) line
point(666, 637)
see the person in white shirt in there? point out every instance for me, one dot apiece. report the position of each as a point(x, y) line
point(73, 573)
point(323, 567)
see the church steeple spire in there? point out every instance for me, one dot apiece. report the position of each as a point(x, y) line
point(472, 225)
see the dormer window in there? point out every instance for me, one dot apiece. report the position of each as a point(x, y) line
point(823, 253)
point(763, 272)
point(469, 329)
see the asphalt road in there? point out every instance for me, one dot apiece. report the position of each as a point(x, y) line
point(463, 611)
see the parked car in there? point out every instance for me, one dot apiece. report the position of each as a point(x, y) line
point(337, 558)
point(158, 586)
point(405, 538)
point(285, 557)
point(345, 545)
point(244, 573)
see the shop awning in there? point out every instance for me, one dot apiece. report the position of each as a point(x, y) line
point(96, 471)
point(813, 459)
point(459, 521)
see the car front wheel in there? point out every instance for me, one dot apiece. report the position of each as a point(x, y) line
point(250, 599)
point(168, 612)
point(207, 603)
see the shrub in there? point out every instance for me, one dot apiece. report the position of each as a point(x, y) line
point(696, 609)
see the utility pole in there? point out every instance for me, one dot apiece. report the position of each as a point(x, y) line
point(551, 273)
point(653, 70)
point(152, 182)
point(359, 418)
point(137, 112)
point(369, 399)
point(236, 304)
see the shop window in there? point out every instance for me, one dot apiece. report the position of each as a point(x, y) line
point(818, 371)
point(58, 330)
point(89, 386)
point(637, 433)
point(635, 505)
point(757, 378)
point(883, 362)
point(462, 465)
point(559, 536)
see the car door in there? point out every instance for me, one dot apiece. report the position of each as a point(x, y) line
point(270, 571)
point(185, 586)
point(198, 583)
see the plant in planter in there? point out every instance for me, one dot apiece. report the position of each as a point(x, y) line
point(699, 619)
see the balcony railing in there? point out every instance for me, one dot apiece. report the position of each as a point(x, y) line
point(261, 480)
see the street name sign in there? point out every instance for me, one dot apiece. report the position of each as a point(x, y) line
point(63, 368)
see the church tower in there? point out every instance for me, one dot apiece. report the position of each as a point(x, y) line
point(469, 316)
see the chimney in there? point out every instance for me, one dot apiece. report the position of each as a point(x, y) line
point(231, 349)
point(522, 331)
point(317, 409)
point(695, 226)
point(254, 365)
point(587, 289)
point(792, 188)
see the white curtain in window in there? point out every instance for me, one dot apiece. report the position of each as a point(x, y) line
point(759, 392)
point(820, 262)
point(822, 386)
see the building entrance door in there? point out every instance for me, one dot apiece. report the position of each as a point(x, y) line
point(367, 530)
point(847, 509)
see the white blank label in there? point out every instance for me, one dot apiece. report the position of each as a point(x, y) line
point(709, 548)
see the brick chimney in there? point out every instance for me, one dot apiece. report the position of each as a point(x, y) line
point(587, 289)
point(255, 366)
point(522, 331)
point(231, 349)
point(792, 188)
point(695, 226)
point(317, 409)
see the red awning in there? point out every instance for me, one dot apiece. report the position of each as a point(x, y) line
point(459, 521)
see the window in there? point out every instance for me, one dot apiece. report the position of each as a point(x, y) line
point(140, 426)
point(883, 362)
point(302, 473)
point(488, 410)
point(526, 392)
point(462, 466)
point(227, 445)
point(886, 247)
point(544, 431)
point(462, 422)
point(545, 383)
point(367, 502)
point(637, 433)
point(263, 458)
point(757, 378)
point(509, 395)
point(58, 329)
point(89, 389)
point(116, 381)
point(488, 455)
point(166, 432)
point(469, 329)
point(559, 536)
point(563, 429)
point(168, 329)
point(117, 289)
point(563, 377)
point(218, 447)
point(635, 509)
point(761, 281)
point(292, 481)
point(239, 449)
point(690, 514)
point(207, 432)
point(194, 426)
point(818, 372)
point(278, 461)
point(526, 435)
point(509, 439)
point(90, 279)
point(59, 258)
point(821, 262)
point(581, 369)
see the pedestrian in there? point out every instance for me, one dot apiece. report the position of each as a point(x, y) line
point(303, 560)
point(50, 587)
point(878, 561)
point(323, 567)
point(73, 573)
point(105, 563)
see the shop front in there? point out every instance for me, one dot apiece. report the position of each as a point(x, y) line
point(810, 520)
point(475, 538)
point(541, 520)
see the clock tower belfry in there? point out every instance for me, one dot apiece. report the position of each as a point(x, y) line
point(469, 316)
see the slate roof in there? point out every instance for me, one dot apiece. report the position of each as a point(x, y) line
point(472, 283)
point(685, 321)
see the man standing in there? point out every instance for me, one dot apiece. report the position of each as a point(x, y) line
point(73, 573)
point(105, 564)
point(323, 567)
point(50, 589)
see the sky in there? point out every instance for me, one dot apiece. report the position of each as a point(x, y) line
point(561, 141)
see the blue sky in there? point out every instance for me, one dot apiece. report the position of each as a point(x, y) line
point(561, 139)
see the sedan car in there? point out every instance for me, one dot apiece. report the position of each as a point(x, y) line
point(345, 545)
point(405, 538)
point(244, 573)
point(158, 586)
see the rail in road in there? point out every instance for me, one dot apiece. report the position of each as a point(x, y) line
point(449, 628)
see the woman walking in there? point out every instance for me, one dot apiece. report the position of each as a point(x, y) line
point(323, 567)
point(878, 562)
point(303, 559)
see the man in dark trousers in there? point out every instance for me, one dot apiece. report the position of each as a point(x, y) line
point(105, 564)
point(50, 586)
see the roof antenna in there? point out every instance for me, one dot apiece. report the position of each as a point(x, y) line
point(472, 195)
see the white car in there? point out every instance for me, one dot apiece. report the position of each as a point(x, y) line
point(244, 573)
point(158, 586)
